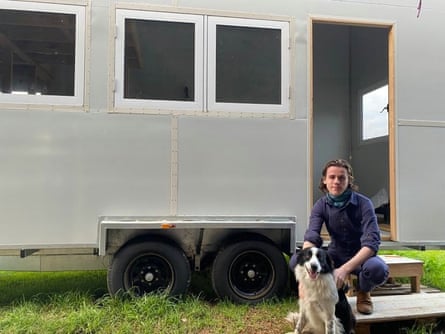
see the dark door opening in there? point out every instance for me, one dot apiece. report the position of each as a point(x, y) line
point(351, 109)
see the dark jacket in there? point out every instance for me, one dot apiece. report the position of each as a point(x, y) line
point(351, 227)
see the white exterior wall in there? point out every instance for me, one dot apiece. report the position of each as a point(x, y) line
point(61, 170)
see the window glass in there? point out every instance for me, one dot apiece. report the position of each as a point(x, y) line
point(159, 60)
point(375, 113)
point(39, 53)
point(248, 65)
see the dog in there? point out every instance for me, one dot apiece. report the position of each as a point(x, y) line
point(324, 309)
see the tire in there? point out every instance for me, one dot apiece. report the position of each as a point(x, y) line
point(148, 267)
point(249, 272)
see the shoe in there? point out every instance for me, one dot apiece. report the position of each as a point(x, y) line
point(364, 303)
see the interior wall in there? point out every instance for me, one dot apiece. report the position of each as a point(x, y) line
point(331, 116)
point(369, 66)
point(347, 59)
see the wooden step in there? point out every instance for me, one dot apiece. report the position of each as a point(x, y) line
point(399, 308)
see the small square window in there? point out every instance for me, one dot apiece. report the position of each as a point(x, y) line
point(159, 60)
point(248, 65)
point(41, 54)
point(375, 113)
point(246, 71)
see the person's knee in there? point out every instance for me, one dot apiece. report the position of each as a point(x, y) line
point(374, 273)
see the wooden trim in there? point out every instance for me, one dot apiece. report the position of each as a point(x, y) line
point(392, 135)
point(310, 135)
point(350, 21)
point(391, 96)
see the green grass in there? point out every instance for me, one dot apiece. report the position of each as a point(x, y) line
point(78, 303)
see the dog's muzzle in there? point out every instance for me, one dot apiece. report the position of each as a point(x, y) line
point(313, 272)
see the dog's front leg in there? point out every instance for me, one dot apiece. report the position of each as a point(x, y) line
point(330, 327)
point(333, 326)
point(301, 322)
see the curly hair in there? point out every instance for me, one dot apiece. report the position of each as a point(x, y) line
point(338, 163)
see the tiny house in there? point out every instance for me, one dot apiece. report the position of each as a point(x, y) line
point(195, 126)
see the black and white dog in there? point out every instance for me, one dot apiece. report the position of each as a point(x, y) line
point(323, 308)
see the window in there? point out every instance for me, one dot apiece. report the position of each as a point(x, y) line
point(164, 62)
point(375, 113)
point(159, 59)
point(247, 65)
point(41, 53)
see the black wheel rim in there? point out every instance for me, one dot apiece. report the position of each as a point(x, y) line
point(251, 275)
point(149, 273)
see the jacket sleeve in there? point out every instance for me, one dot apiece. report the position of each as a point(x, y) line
point(316, 221)
point(371, 232)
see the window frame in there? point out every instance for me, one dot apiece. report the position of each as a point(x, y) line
point(119, 100)
point(79, 12)
point(212, 105)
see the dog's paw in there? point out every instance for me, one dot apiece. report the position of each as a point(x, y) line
point(293, 317)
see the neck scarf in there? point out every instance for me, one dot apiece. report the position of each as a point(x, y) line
point(340, 200)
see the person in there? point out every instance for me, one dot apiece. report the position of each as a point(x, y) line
point(351, 222)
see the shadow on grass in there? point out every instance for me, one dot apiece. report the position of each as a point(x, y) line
point(25, 286)
point(17, 287)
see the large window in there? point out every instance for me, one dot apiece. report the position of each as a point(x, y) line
point(167, 61)
point(41, 53)
point(375, 113)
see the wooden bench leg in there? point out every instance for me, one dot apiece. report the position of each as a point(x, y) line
point(363, 329)
point(415, 284)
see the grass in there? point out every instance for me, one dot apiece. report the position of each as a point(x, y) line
point(78, 303)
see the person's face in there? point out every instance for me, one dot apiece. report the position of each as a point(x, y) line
point(336, 180)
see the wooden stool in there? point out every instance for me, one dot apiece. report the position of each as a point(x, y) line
point(399, 266)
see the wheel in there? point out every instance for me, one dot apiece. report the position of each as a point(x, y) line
point(151, 266)
point(249, 272)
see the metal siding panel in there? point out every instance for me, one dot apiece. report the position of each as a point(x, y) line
point(61, 171)
point(420, 185)
point(420, 76)
point(243, 167)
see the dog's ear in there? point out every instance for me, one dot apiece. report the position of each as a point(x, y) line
point(327, 263)
point(300, 256)
point(330, 260)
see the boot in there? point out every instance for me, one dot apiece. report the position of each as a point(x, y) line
point(364, 303)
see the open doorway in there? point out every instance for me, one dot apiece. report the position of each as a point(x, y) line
point(351, 109)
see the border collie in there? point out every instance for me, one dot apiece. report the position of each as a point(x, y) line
point(323, 308)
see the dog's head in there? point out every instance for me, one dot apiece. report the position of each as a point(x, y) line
point(315, 261)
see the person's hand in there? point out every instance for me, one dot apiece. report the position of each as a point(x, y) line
point(340, 277)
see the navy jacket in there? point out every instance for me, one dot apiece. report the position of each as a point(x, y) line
point(351, 227)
